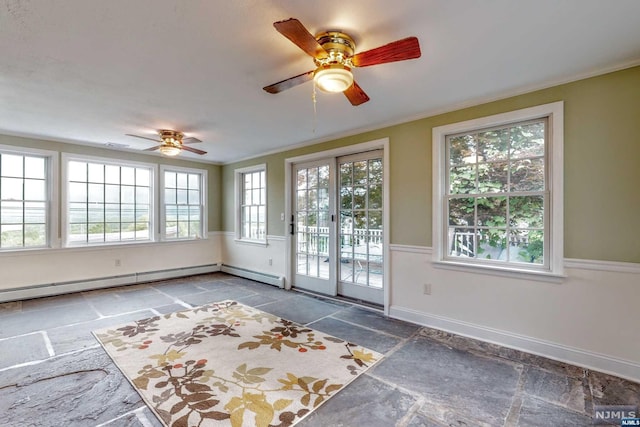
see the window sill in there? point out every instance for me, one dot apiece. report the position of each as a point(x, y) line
point(263, 243)
point(183, 239)
point(95, 247)
point(516, 273)
point(73, 245)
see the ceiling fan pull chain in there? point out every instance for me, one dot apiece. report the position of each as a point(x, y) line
point(315, 109)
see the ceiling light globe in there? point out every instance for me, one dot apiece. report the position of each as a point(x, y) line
point(169, 150)
point(333, 78)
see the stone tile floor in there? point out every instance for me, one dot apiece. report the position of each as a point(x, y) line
point(54, 373)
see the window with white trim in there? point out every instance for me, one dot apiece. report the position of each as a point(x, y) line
point(498, 191)
point(25, 198)
point(251, 201)
point(108, 201)
point(183, 203)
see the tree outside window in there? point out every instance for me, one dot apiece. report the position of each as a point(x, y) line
point(496, 193)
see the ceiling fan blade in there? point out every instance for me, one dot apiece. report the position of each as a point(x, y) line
point(398, 50)
point(190, 140)
point(194, 150)
point(289, 83)
point(301, 37)
point(152, 148)
point(143, 137)
point(356, 95)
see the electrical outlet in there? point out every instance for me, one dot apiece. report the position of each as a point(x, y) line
point(117, 263)
point(427, 288)
point(270, 261)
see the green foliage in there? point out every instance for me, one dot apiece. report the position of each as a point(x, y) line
point(486, 166)
point(32, 237)
point(96, 228)
point(140, 226)
point(534, 251)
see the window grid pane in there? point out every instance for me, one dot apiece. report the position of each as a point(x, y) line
point(24, 201)
point(183, 205)
point(496, 201)
point(253, 206)
point(107, 203)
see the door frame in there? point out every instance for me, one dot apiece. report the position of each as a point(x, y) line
point(289, 163)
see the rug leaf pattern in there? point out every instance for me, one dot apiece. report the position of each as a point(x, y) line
point(226, 364)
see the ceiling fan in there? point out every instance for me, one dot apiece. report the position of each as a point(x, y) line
point(172, 142)
point(333, 54)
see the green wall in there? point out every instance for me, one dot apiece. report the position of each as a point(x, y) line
point(213, 171)
point(601, 167)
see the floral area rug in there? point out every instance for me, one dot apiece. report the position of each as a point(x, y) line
point(226, 364)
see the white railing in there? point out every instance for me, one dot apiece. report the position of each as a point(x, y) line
point(463, 243)
point(315, 240)
point(257, 233)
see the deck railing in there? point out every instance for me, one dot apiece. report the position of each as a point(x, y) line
point(464, 243)
point(315, 240)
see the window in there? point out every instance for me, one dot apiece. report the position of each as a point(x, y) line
point(108, 202)
point(251, 203)
point(184, 201)
point(499, 191)
point(25, 198)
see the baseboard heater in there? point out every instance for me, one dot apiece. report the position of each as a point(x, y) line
point(254, 275)
point(49, 289)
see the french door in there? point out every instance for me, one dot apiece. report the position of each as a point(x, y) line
point(313, 226)
point(360, 232)
point(337, 226)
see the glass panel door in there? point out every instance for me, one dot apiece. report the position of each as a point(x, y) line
point(313, 230)
point(360, 231)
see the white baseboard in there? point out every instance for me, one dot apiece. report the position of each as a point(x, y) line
point(254, 275)
point(151, 276)
point(103, 282)
point(598, 362)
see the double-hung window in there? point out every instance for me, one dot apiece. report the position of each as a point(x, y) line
point(251, 203)
point(26, 194)
point(183, 203)
point(108, 202)
point(498, 191)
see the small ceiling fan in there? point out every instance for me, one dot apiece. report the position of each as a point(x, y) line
point(333, 54)
point(172, 142)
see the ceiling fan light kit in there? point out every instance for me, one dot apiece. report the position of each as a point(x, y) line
point(169, 150)
point(333, 74)
point(333, 78)
point(171, 142)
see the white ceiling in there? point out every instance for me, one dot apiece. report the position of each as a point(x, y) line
point(90, 71)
